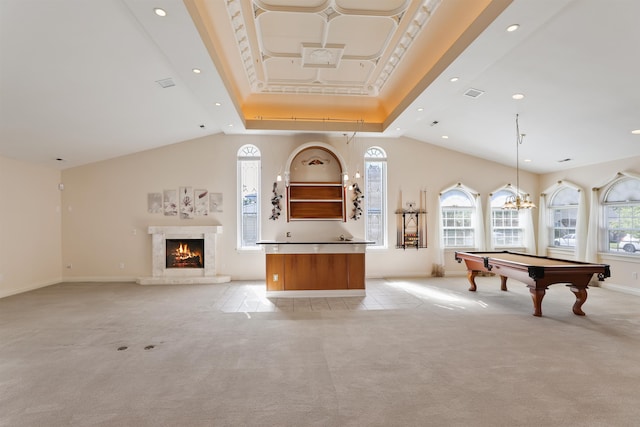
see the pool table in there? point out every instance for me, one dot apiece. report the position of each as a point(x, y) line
point(537, 272)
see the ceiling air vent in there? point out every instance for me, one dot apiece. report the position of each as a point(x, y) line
point(165, 83)
point(473, 93)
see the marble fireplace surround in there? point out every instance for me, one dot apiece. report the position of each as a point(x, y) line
point(177, 276)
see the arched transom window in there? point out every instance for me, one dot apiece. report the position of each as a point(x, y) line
point(622, 215)
point(375, 196)
point(248, 197)
point(458, 214)
point(563, 215)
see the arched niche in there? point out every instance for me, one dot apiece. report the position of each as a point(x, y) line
point(315, 186)
point(314, 162)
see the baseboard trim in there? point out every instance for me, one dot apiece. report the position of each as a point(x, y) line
point(620, 288)
point(99, 279)
point(8, 293)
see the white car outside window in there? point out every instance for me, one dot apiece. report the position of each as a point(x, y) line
point(566, 240)
point(629, 244)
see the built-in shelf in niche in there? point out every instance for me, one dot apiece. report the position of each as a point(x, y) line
point(316, 200)
point(315, 190)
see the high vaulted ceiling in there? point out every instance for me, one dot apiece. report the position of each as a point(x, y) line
point(84, 81)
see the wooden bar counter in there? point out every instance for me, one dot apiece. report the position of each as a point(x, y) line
point(321, 268)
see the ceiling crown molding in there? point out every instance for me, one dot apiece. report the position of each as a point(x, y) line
point(313, 48)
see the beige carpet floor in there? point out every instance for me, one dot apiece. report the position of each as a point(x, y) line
point(423, 352)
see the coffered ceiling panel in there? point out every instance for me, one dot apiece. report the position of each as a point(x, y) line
point(280, 33)
point(368, 41)
point(293, 40)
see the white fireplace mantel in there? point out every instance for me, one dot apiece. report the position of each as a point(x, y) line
point(161, 275)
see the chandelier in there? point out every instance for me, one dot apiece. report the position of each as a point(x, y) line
point(518, 201)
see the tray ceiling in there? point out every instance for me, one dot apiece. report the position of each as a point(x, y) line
point(330, 64)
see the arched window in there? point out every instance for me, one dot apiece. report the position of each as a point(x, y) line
point(622, 216)
point(563, 217)
point(458, 219)
point(248, 197)
point(375, 196)
point(507, 230)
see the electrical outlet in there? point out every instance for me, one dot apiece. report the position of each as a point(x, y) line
point(134, 231)
point(69, 266)
point(634, 275)
point(122, 265)
point(275, 277)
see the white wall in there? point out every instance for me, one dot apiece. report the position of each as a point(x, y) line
point(100, 219)
point(105, 204)
point(30, 233)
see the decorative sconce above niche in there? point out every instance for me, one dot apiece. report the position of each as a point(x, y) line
point(315, 177)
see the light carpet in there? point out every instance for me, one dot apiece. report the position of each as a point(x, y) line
point(120, 354)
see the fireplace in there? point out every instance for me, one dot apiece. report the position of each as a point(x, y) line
point(183, 255)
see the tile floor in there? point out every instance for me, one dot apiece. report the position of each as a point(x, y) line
point(381, 294)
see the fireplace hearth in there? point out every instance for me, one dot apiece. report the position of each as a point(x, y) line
point(183, 255)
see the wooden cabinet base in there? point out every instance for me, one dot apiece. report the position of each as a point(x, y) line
point(301, 272)
point(275, 272)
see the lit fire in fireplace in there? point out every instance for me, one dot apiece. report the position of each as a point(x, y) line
point(181, 255)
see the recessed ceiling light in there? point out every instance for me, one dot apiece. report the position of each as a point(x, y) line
point(445, 137)
point(420, 110)
point(518, 96)
point(218, 104)
point(230, 125)
point(636, 132)
point(527, 160)
point(454, 79)
point(160, 12)
point(512, 28)
point(398, 128)
point(196, 71)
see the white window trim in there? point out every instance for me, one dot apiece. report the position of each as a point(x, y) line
point(478, 226)
point(526, 224)
point(239, 159)
point(385, 212)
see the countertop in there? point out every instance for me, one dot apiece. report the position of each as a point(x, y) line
point(336, 241)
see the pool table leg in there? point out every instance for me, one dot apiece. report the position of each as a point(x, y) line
point(471, 275)
point(503, 283)
point(581, 298)
point(537, 295)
